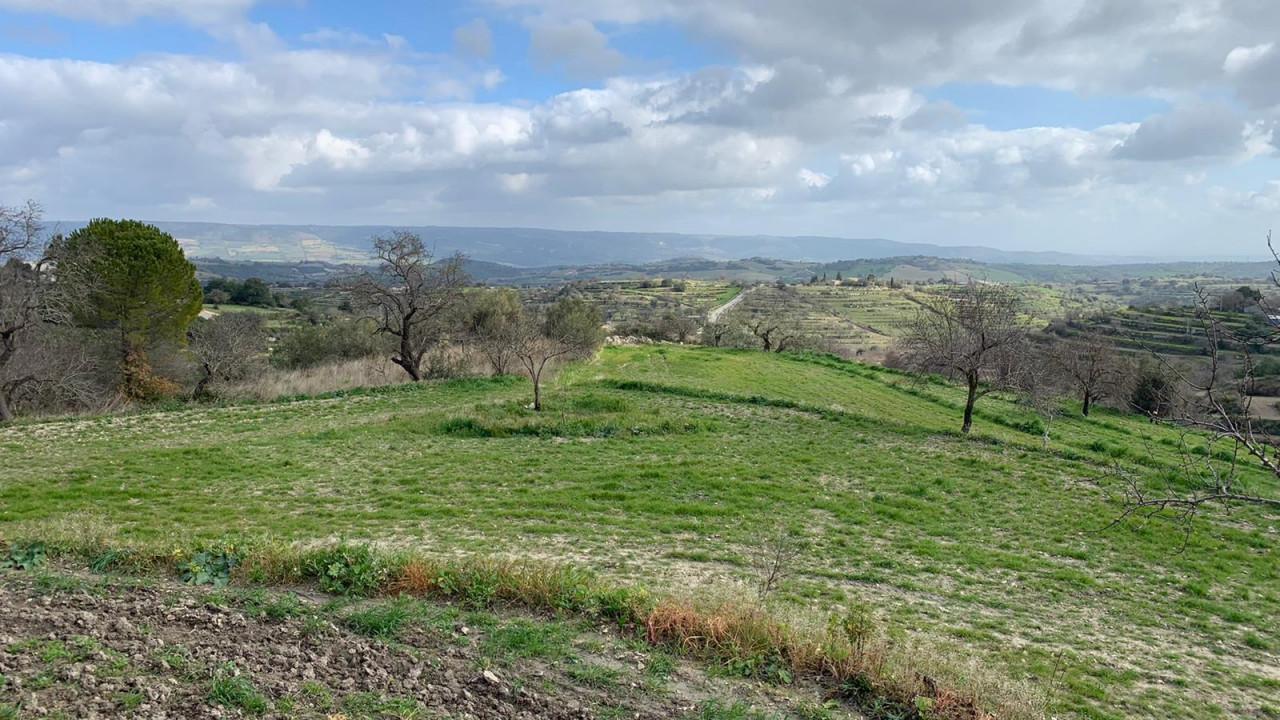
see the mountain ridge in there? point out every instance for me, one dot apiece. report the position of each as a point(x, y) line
point(538, 247)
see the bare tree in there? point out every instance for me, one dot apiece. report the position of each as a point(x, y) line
point(410, 297)
point(1092, 365)
point(714, 332)
point(975, 335)
point(569, 329)
point(38, 358)
point(1219, 410)
point(773, 319)
point(775, 557)
point(227, 348)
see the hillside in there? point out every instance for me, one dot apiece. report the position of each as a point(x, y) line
point(666, 465)
point(536, 247)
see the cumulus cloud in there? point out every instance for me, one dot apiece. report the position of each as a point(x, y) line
point(1192, 132)
point(822, 122)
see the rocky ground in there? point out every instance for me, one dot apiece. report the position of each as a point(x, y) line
point(75, 645)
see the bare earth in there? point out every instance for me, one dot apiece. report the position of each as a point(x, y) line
point(78, 647)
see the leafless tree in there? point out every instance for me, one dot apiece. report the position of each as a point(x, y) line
point(715, 331)
point(1219, 411)
point(227, 348)
point(775, 558)
point(410, 296)
point(1092, 365)
point(974, 335)
point(773, 319)
point(571, 328)
point(38, 358)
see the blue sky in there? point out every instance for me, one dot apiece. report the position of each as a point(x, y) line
point(1134, 127)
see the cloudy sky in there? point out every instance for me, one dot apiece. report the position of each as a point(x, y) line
point(1117, 126)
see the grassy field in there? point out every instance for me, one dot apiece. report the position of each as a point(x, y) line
point(667, 465)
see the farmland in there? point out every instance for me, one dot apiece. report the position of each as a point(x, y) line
point(666, 465)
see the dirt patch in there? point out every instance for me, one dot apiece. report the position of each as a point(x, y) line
point(82, 647)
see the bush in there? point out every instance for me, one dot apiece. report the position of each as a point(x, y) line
point(312, 345)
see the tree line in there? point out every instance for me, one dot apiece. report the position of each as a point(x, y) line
point(107, 315)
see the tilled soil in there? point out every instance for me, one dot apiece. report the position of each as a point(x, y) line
point(77, 648)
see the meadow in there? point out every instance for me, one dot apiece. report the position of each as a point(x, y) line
point(666, 465)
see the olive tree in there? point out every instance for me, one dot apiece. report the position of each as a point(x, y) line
point(569, 329)
point(410, 296)
point(974, 335)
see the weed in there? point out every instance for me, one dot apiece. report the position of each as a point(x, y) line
point(525, 639)
point(347, 570)
point(23, 556)
point(230, 689)
point(382, 620)
point(211, 565)
point(129, 700)
point(596, 676)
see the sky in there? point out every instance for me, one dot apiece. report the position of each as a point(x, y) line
point(1129, 127)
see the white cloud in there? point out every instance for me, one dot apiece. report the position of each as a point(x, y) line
point(364, 128)
point(812, 179)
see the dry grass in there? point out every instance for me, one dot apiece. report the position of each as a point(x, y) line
point(347, 375)
point(886, 677)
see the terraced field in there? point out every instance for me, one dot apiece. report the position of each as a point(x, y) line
point(667, 465)
point(625, 302)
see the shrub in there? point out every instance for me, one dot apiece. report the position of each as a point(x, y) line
point(312, 345)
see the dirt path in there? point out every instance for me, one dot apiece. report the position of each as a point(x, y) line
point(714, 315)
point(86, 647)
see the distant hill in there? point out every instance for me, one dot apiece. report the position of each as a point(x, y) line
point(531, 247)
point(757, 269)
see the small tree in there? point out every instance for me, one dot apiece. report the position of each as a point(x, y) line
point(677, 327)
point(142, 289)
point(227, 348)
point(773, 320)
point(975, 336)
point(493, 320)
point(569, 329)
point(1092, 365)
point(410, 297)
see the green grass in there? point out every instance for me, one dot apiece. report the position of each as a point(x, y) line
point(666, 465)
point(236, 691)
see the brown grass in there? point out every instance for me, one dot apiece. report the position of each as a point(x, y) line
point(885, 677)
point(347, 375)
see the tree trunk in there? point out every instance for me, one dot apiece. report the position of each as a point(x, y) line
point(6, 414)
point(1088, 401)
point(408, 366)
point(202, 387)
point(537, 391)
point(968, 404)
